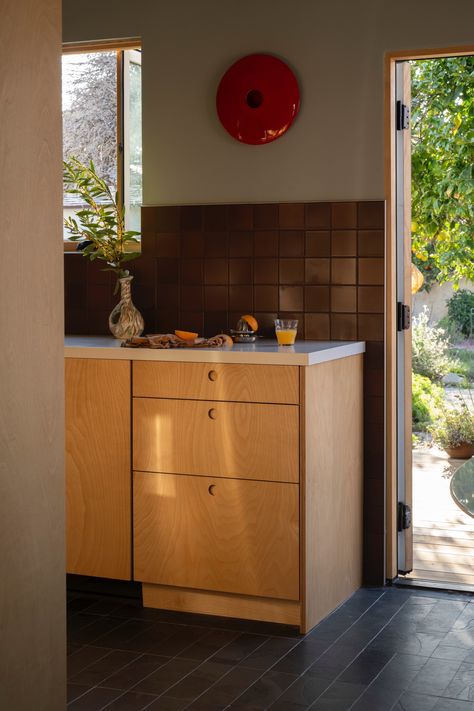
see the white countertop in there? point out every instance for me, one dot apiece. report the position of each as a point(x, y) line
point(263, 352)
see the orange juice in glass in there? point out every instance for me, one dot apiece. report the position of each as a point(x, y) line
point(285, 330)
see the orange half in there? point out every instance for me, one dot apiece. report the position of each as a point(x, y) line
point(186, 335)
point(252, 322)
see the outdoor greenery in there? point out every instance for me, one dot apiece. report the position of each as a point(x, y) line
point(430, 348)
point(454, 426)
point(100, 227)
point(427, 401)
point(463, 364)
point(90, 121)
point(461, 311)
point(442, 168)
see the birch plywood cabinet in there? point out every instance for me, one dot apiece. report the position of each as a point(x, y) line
point(248, 499)
point(98, 479)
point(225, 482)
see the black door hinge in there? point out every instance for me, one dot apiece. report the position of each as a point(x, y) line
point(404, 516)
point(403, 116)
point(403, 317)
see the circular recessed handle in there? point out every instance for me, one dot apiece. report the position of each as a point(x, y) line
point(212, 489)
point(212, 413)
point(212, 375)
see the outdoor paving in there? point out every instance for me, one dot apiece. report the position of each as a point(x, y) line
point(443, 535)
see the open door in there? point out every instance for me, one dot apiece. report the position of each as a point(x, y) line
point(404, 369)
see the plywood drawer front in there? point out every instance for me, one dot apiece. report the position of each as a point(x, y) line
point(217, 534)
point(224, 439)
point(217, 381)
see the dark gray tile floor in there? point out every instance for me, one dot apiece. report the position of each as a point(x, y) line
point(384, 649)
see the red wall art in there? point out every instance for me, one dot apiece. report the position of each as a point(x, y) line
point(258, 99)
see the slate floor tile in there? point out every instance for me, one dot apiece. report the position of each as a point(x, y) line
point(120, 636)
point(446, 651)
point(226, 690)
point(72, 648)
point(77, 622)
point(452, 705)
point(130, 701)
point(79, 604)
point(442, 617)
point(463, 637)
point(135, 672)
point(386, 688)
point(166, 676)
point(261, 694)
point(434, 677)
point(83, 658)
point(302, 656)
point(207, 645)
point(333, 662)
point(166, 703)
point(410, 701)
point(94, 700)
point(303, 691)
point(461, 685)
point(196, 683)
point(339, 697)
point(284, 705)
point(149, 640)
point(385, 649)
point(377, 698)
point(105, 606)
point(367, 665)
point(269, 653)
point(104, 667)
point(421, 643)
point(75, 690)
point(245, 645)
point(91, 632)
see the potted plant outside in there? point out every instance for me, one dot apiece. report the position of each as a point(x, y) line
point(99, 230)
point(454, 431)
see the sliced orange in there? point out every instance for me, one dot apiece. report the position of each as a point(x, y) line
point(252, 321)
point(186, 335)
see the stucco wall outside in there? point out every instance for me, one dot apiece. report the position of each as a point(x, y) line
point(436, 299)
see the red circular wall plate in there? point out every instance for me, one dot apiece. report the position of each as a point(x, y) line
point(258, 99)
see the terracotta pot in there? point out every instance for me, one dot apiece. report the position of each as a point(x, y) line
point(462, 451)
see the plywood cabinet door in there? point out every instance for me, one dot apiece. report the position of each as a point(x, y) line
point(226, 535)
point(224, 439)
point(98, 476)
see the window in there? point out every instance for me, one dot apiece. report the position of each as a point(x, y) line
point(102, 103)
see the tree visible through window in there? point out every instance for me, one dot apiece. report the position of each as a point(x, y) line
point(102, 122)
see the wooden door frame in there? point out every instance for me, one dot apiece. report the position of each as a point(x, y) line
point(391, 58)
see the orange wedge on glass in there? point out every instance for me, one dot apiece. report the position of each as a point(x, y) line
point(252, 322)
point(186, 335)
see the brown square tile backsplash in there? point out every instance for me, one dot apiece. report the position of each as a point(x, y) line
point(203, 266)
point(324, 260)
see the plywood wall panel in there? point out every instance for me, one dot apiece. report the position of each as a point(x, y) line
point(32, 591)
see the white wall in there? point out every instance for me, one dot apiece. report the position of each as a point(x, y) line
point(32, 578)
point(335, 148)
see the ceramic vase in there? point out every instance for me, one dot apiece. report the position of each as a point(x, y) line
point(125, 320)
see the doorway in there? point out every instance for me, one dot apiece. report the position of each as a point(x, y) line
point(431, 524)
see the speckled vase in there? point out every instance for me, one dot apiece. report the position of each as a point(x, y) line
point(125, 320)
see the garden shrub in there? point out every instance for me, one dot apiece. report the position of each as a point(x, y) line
point(427, 401)
point(455, 426)
point(460, 306)
point(430, 348)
